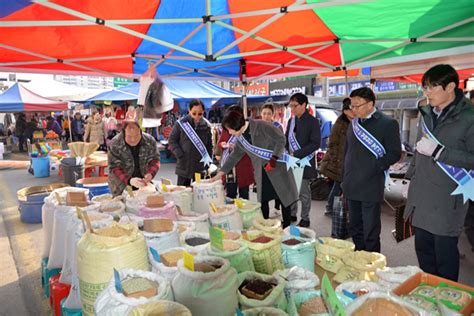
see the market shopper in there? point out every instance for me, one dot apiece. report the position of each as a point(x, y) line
point(372, 145)
point(331, 165)
point(20, 128)
point(303, 139)
point(191, 143)
point(265, 144)
point(95, 131)
point(444, 153)
point(131, 154)
point(77, 126)
point(53, 125)
point(243, 177)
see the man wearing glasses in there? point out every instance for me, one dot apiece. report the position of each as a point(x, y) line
point(442, 177)
point(372, 145)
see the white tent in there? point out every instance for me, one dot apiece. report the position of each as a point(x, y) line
point(56, 90)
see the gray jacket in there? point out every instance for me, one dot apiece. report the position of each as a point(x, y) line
point(266, 135)
point(430, 202)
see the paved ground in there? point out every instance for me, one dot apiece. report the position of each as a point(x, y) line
point(21, 245)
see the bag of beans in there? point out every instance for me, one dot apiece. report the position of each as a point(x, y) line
point(260, 290)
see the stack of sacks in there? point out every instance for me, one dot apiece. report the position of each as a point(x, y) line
point(269, 226)
point(226, 217)
point(330, 251)
point(298, 252)
point(160, 308)
point(160, 234)
point(390, 278)
point(298, 279)
point(265, 250)
point(99, 252)
point(165, 263)
point(210, 287)
point(360, 265)
point(180, 195)
point(200, 220)
point(237, 253)
point(206, 192)
point(260, 290)
point(249, 211)
point(139, 287)
point(195, 242)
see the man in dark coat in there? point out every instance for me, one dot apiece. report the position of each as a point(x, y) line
point(438, 215)
point(188, 157)
point(308, 135)
point(20, 128)
point(363, 173)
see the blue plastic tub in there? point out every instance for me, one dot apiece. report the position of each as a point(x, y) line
point(40, 167)
point(69, 311)
point(30, 212)
point(96, 185)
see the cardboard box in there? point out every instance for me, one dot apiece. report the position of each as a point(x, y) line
point(76, 199)
point(157, 225)
point(155, 201)
point(170, 259)
point(426, 278)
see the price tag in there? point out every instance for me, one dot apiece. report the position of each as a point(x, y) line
point(294, 231)
point(155, 254)
point(330, 298)
point(130, 191)
point(188, 260)
point(213, 207)
point(164, 188)
point(239, 203)
point(118, 282)
point(166, 181)
point(217, 238)
point(78, 212)
point(197, 177)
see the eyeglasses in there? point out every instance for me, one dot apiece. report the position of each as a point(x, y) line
point(356, 107)
point(197, 114)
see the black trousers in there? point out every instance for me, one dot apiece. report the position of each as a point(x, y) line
point(184, 181)
point(365, 225)
point(438, 255)
point(469, 224)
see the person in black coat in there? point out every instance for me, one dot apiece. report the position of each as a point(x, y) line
point(363, 179)
point(20, 128)
point(308, 134)
point(188, 157)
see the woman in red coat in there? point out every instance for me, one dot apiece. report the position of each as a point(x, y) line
point(243, 169)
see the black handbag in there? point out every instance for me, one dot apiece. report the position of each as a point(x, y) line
point(403, 228)
point(231, 186)
point(340, 219)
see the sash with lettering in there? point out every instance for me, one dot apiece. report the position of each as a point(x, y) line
point(371, 143)
point(463, 178)
point(197, 142)
point(232, 140)
point(266, 154)
point(294, 146)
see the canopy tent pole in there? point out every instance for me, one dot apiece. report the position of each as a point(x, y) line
point(70, 123)
point(243, 79)
point(208, 29)
point(89, 23)
point(414, 40)
point(286, 65)
point(116, 27)
point(346, 82)
point(38, 62)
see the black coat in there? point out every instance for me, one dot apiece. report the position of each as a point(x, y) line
point(363, 174)
point(186, 153)
point(308, 134)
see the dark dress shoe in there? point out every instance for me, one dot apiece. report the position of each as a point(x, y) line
point(303, 223)
point(294, 218)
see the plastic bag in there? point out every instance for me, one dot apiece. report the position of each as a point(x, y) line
point(167, 211)
point(275, 299)
point(355, 286)
point(300, 255)
point(160, 308)
point(110, 302)
point(160, 268)
point(269, 226)
point(249, 211)
point(298, 280)
point(206, 192)
point(131, 219)
point(181, 196)
point(240, 259)
point(200, 220)
point(266, 256)
point(116, 246)
point(132, 204)
point(306, 234)
point(198, 249)
point(202, 292)
point(162, 241)
point(391, 277)
point(114, 208)
point(360, 265)
point(228, 219)
point(102, 198)
point(330, 251)
point(365, 305)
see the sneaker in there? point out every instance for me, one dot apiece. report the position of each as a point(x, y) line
point(294, 218)
point(303, 223)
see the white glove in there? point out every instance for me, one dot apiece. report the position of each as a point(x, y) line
point(428, 147)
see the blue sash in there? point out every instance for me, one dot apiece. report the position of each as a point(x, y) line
point(294, 146)
point(266, 154)
point(371, 143)
point(232, 140)
point(197, 142)
point(463, 178)
point(276, 124)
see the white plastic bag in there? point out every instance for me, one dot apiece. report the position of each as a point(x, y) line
point(354, 286)
point(249, 211)
point(275, 299)
point(202, 292)
point(206, 192)
point(200, 220)
point(111, 303)
point(298, 280)
point(305, 233)
point(180, 195)
point(228, 218)
point(162, 241)
point(391, 277)
point(167, 211)
point(160, 268)
point(114, 208)
point(132, 204)
point(196, 250)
